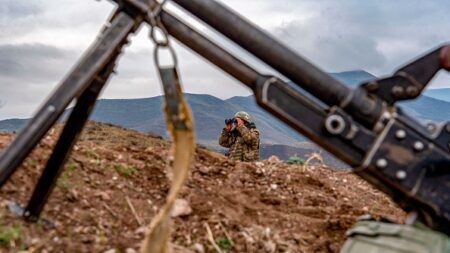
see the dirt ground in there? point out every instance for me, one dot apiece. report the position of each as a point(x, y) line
point(266, 206)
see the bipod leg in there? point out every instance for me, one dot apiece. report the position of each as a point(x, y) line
point(63, 147)
point(96, 58)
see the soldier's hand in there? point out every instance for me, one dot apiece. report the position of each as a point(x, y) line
point(228, 127)
point(239, 122)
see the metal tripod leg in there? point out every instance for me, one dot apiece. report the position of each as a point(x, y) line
point(99, 55)
point(63, 147)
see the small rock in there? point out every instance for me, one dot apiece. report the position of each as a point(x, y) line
point(140, 231)
point(110, 251)
point(130, 250)
point(103, 196)
point(85, 203)
point(204, 170)
point(269, 246)
point(181, 208)
point(259, 164)
point(78, 229)
point(274, 186)
point(365, 209)
point(87, 239)
point(34, 241)
point(288, 178)
point(198, 248)
point(274, 159)
point(72, 195)
point(4, 204)
point(345, 199)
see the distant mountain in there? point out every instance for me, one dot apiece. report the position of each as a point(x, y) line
point(209, 112)
point(433, 105)
point(353, 78)
point(425, 108)
point(10, 125)
point(441, 94)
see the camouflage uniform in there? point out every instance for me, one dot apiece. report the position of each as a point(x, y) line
point(243, 142)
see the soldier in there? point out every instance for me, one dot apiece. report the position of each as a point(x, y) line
point(243, 140)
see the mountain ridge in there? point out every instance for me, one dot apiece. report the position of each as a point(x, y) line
point(145, 115)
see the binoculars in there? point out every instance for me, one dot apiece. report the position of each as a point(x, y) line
point(230, 121)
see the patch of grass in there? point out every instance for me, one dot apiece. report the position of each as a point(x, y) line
point(295, 160)
point(64, 179)
point(10, 234)
point(125, 170)
point(92, 155)
point(224, 244)
point(31, 162)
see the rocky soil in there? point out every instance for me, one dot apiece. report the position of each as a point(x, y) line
point(266, 206)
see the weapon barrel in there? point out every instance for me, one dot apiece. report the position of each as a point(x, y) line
point(269, 50)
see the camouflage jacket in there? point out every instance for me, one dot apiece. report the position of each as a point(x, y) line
point(243, 142)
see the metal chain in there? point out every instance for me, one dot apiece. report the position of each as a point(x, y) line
point(155, 22)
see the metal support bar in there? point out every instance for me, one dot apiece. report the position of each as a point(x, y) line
point(63, 147)
point(78, 80)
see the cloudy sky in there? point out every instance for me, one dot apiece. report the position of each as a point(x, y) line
point(41, 40)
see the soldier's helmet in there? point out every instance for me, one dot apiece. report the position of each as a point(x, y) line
point(244, 116)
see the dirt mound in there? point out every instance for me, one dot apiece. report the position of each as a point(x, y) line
point(249, 207)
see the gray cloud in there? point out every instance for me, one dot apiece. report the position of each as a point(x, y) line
point(40, 40)
point(27, 73)
point(32, 61)
point(377, 36)
point(19, 8)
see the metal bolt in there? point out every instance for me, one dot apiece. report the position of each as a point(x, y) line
point(398, 91)
point(372, 86)
point(381, 163)
point(400, 134)
point(418, 146)
point(412, 91)
point(335, 124)
point(431, 127)
point(401, 174)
